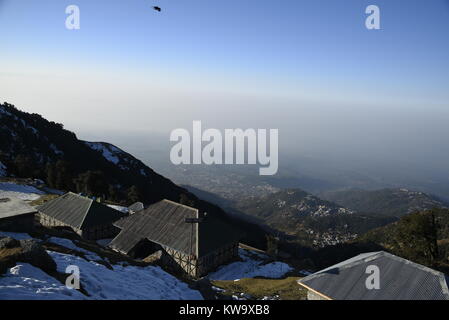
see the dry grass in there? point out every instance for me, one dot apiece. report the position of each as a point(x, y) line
point(285, 289)
point(44, 198)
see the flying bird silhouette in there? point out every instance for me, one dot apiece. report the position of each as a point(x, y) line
point(157, 9)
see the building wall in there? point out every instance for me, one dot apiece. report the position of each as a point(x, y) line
point(21, 223)
point(217, 258)
point(314, 296)
point(194, 267)
point(95, 233)
point(48, 221)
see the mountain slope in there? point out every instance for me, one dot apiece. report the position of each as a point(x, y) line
point(390, 202)
point(30, 144)
point(308, 220)
point(33, 147)
point(422, 236)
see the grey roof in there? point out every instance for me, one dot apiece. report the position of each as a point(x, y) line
point(400, 279)
point(79, 212)
point(10, 207)
point(165, 223)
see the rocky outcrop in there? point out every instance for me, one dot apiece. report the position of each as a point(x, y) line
point(28, 251)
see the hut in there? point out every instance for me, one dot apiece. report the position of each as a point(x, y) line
point(189, 242)
point(90, 219)
point(16, 215)
point(376, 276)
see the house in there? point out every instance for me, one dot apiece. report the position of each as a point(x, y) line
point(189, 242)
point(90, 219)
point(16, 215)
point(376, 276)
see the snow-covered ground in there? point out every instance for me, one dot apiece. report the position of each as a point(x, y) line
point(20, 191)
point(253, 265)
point(130, 282)
point(2, 170)
point(109, 152)
point(15, 235)
point(70, 245)
point(26, 282)
point(119, 208)
point(104, 242)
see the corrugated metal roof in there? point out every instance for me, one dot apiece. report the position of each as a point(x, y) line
point(79, 212)
point(400, 279)
point(125, 241)
point(10, 207)
point(165, 223)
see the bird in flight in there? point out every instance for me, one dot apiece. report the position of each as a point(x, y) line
point(157, 9)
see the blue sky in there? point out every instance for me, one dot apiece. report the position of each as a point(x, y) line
point(275, 64)
point(288, 41)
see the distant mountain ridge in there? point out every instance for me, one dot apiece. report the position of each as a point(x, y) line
point(28, 140)
point(390, 202)
point(307, 219)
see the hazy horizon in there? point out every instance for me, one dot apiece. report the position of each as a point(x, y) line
point(371, 100)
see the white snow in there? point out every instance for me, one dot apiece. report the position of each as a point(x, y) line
point(119, 208)
point(20, 191)
point(15, 235)
point(3, 111)
point(123, 283)
point(104, 242)
point(108, 153)
point(25, 282)
point(56, 150)
point(3, 168)
point(253, 265)
point(70, 245)
point(305, 272)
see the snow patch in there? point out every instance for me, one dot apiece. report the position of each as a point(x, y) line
point(56, 150)
point(108, 151)
point(3, 168)
point(20, 191)
point(15, 235)
point(104, 242)
point(118, 208)
point(70, 245)
point(25, 282)
point(253, 265)
point(123, 283)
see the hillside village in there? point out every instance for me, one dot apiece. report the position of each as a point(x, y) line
point(101, 259)
point(140, 261)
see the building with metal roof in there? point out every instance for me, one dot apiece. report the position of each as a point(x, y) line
point(377, 276)
point(90, 219)
point(16, 215)
point(192, 242)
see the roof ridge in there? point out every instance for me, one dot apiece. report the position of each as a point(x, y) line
point(420, 266)
point(87, 210)
point(375, 255)
point(180, 204)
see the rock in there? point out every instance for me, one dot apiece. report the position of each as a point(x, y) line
point(7, 243)
point(35, 254)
